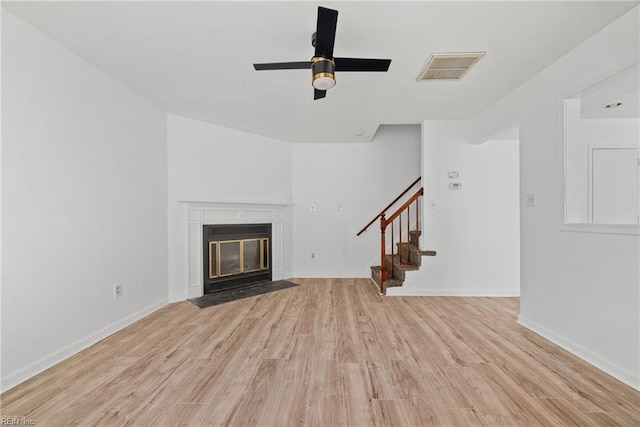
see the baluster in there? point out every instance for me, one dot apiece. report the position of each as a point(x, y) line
point(383, 255)
point(392, 254)
point(417, 216)
point(408, 234)
point(400, 230)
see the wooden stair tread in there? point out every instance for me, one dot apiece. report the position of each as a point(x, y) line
point(375, 275)
point(396, 264)
point(415, 249)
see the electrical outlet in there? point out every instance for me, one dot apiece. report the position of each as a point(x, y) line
point(117, 290)
point(313, 255)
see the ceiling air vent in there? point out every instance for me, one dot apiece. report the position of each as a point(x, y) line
point(449, 66)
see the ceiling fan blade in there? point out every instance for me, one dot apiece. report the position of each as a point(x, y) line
point(317, 94)
point(326, 32)
point(361, 64)
point(303, 65)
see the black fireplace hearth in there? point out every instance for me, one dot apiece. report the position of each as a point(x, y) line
point(235, 255)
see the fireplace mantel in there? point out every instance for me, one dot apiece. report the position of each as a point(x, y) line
point(198, 201)
point(197, 213)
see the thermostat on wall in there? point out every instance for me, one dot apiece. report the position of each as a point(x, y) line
point(453, 175)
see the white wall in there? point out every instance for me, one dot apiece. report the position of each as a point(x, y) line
point(84, 203)
point(580, 134)
point(363, 178)
point(474, 229)
point(210, 163)
point(581, 290)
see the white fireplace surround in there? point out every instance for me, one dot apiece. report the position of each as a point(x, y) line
point(196, 214)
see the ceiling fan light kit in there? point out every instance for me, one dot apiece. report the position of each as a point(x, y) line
point(323, 81)
point(323, 65)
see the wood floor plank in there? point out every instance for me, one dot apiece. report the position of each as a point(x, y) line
point(396, 413)
point(437, 387)
point(324, 398)
point(347, 333)
point(249, 410)
point(330, 352)
point(355, 389)
point(565, 413)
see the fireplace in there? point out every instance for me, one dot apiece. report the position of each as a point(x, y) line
point(235, 255)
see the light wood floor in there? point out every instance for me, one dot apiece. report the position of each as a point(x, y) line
point(329, 352)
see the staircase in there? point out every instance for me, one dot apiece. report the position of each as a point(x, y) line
point(406, 254)
point(396, 269)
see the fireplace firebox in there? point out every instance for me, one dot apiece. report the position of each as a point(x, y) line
point(235, 255)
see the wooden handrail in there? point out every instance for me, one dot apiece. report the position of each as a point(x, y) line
point(383, 212)
point(402, 208)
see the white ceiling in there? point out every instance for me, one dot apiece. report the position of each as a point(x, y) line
point(195, 58)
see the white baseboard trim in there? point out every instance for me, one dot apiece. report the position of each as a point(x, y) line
point(192, 292)
point(13, 379)
point(177, 298)
point(398, 291)
point(325, 276)
point(584, 354)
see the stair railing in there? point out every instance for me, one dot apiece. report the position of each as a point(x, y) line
point(386, 222)
point(384, 211)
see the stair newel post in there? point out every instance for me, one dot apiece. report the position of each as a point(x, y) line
point(383, 255)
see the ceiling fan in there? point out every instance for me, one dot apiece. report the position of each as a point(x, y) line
point(323, 65)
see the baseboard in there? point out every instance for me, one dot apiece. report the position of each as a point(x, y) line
point(177, 298)
point(399, 291)
point(192, 292)
point(15, 378)
point(325, 276)
point(584, 354)
point(373, 282)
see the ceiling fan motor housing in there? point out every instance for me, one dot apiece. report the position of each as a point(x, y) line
point(323, 70)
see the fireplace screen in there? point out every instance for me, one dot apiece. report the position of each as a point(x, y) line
point(230, 257)
point(235, 255)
